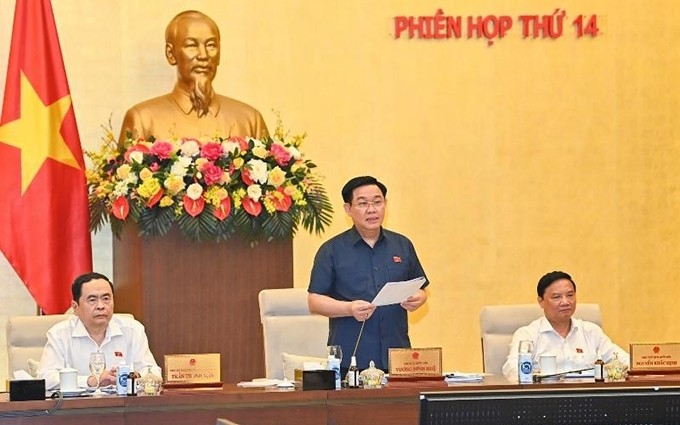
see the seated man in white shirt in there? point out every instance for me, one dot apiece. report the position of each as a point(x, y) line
point(575, 343)
point(93, 327)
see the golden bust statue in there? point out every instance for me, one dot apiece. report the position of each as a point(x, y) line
point(193, 109)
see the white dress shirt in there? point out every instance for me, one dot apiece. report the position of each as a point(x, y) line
point(70, 345)
point(577, 351)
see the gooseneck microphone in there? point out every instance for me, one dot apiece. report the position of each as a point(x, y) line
point(538, 378)
point(361, 331)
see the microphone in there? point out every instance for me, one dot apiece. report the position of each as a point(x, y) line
point(538, 378)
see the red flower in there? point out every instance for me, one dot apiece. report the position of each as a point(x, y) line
point(253, 208)
point(155, 198)
point(193, 208)
point(245, 176)
point(211, 151)
point(120, 208)
point(281, 202)
point(161, 149)
point(136, 148)
point(242, 144)
point(223, 210)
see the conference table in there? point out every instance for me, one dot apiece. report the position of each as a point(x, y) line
point(492, 401)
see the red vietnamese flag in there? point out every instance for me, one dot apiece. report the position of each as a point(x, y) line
point(44, 215)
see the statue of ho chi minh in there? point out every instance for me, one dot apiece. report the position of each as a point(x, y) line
point(193, 109)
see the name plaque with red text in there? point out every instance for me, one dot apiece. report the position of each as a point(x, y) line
point(655, 357)
point(192, 368)
point(415, 362)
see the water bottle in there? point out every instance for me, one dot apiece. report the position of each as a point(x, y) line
point(353, 374)
point(599, 368)
point(122, 373)
point(334, 365)
point(525, 362)
point(131, 384)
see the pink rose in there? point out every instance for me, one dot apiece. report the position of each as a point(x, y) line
point(281, 154)
point(161, 149)
point(211, 151)
point(211, 173)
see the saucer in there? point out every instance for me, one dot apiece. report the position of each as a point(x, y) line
point(110, 389)
point(73, 393)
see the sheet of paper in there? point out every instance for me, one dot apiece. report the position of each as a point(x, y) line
point(259, 383)
point(396, 292)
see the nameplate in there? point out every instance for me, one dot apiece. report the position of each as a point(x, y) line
point(655, 357)
point(415, 362)
point(192, 368)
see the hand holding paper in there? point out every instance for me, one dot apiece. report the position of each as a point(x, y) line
point(397, 292)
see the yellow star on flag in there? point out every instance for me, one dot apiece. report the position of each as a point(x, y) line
point(37, 133)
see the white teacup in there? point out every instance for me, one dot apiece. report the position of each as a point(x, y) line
point(548, 364)
point(68, 379)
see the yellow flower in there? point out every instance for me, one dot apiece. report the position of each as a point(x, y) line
point(238, 196)
point(238, 163)
point(215, 195)
point(145, 173)
point(123, 171)
point(260, 152)
point(200, 162)
point(298, 165)
point(268, 204)
point(174, 184)
point(166, 201)
point(150, 187)
point(276, 177)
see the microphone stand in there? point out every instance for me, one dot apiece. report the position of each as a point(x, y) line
point(538, 378)
point(354, 353)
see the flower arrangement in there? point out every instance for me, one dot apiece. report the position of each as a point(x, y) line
point(210, 188)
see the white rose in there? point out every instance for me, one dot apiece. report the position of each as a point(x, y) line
point(189, 148)
point(258, 170)
point(178, 169)
point(294, 152)
point(254, 192)
point(137, 157)
point(230, 147)
point(194, 191)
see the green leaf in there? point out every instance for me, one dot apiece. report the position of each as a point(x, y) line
point(318, 212)
point(98, 212)
point(155, 221)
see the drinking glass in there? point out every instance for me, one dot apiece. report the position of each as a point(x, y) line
point(526, 347)
point(335, 351)
point(97, 366)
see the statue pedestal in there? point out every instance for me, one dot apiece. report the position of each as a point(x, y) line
point(200, 297)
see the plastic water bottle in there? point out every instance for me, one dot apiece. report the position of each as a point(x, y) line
point(122, 373)
point(334, 365)
point(353, 374)
point(525, 362)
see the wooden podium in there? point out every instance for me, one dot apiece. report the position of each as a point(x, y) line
point(200, 297)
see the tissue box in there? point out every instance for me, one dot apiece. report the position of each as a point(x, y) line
point(27, 389)
point(318, 380)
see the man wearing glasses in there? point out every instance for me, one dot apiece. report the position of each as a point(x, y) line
point(94, 328)
point(350, 269)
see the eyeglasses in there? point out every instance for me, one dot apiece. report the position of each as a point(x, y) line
point(363, 205)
